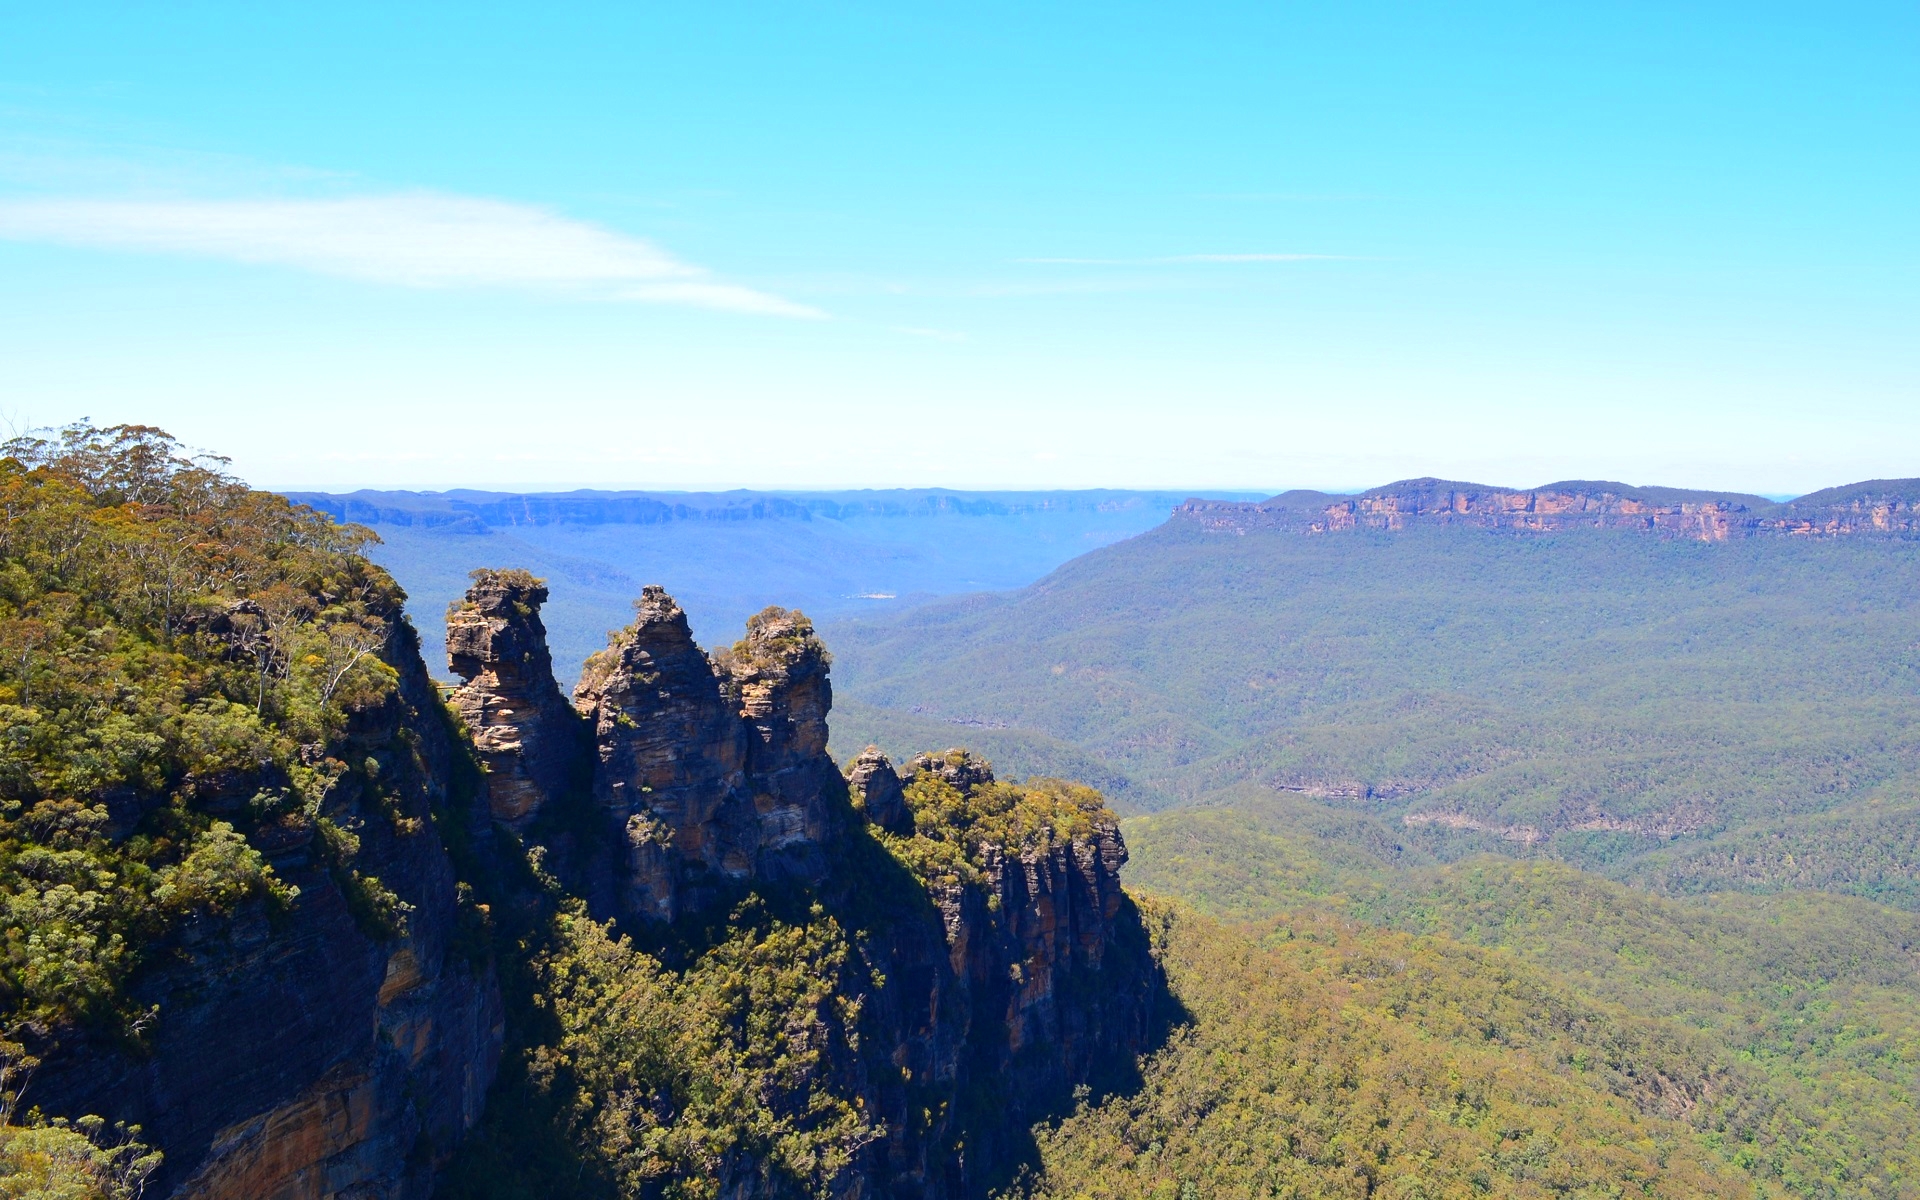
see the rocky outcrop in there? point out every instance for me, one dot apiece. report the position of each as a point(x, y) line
point(1006, 986)
point(709, 772)
point(960, 769)
point(1033, 979)
point(875, 788)
point(1043, 920)
point(312, 1054)
point(1881, 507)
point(526, 733)
point(333, 1052)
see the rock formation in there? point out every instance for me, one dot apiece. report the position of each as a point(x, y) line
point(711, 772)
point(711, 775)
point(526, 733)
point(321, 1054)
point(1882, 507)
point(875, 787)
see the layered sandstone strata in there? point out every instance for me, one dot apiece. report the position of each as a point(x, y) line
point(709, 771)
point(525, 731)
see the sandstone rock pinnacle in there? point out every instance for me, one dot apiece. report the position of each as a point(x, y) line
point(876, 786)
point(714, 769)
point(527, 734)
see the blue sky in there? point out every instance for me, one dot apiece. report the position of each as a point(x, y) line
point(1228, 246)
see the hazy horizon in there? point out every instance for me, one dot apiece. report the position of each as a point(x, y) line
point(1198, 492)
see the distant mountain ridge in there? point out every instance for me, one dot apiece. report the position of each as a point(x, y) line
point(729, 554)
point(480, 509)
point(1877, 506)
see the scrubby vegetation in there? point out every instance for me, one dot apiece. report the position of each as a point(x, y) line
point(175, 650)
point(726, 1047)
point(1325, 1059)
point(639, 1079)
point(58, 1159)
point(958, 822)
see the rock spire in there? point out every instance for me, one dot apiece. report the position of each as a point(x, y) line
point(527, 734)
point(711, 770)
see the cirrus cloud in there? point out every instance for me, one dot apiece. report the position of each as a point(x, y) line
point(409, 239)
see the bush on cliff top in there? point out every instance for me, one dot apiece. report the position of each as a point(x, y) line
point(962, 815)
point(63, 1160)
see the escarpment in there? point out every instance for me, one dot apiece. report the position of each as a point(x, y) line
point(1032, 929)
point(314, 923)
point(1888, 508)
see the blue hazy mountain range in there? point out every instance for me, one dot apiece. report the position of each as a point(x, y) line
point(725, 555)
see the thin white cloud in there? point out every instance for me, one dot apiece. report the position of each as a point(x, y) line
point(1165, 260)
point(412, 239)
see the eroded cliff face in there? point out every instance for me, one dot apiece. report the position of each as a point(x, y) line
point(345, 1048)
point(525, 732)
point(876, 790)
point(1881, 507)
point(313, 1053)
point(1005, 986)
point(709, 773)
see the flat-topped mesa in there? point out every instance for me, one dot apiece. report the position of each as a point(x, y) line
point(527, 734)
point(1878, 507)
point(713, 771)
